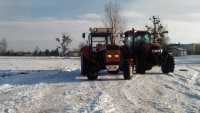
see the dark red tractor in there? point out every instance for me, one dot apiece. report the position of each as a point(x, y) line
point(100, 53)
point(143, 52)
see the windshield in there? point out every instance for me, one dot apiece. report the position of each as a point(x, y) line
point(142, 38)
point(128, 41)
point(100, 41)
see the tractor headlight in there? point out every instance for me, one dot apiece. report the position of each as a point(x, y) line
point(109, 56)
point(116, 56)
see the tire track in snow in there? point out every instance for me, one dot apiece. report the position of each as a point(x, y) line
point(101, 102)
point(193, 80)
point(190, 94)
point(186, 79)
point(195, 77)
point(116, 90)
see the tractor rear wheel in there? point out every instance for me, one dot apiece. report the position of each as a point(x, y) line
point(167, 64)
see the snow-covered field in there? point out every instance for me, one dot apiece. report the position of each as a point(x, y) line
point(54, 85)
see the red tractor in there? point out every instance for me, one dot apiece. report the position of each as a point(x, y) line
point(143, 54)
point(143, 50)
point(100, 53)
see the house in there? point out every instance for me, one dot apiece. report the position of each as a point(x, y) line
point(178, 50)
point(185, 49)
point(196, 48)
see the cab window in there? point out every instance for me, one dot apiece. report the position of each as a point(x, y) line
point(128, 41)
point(147, 38)
point(144, 38)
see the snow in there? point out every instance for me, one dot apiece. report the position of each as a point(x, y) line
point(54, 85)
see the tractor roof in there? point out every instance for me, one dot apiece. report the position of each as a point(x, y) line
point(133, 32)
point(141, 32)
point(101, 30)
point(100, 34)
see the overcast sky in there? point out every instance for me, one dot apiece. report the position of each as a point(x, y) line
point(30, 23)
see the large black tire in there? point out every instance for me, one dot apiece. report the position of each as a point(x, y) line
point(92, 73)
point(84, 65)
point(124, 66)
point(126, 71)
point(140, 64)
point(167, 64)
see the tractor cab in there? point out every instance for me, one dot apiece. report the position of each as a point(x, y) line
point(142, 40)
point(99, 38)
point(141, 37)
point(137, 38)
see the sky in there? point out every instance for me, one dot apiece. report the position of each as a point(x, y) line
point(26, 24)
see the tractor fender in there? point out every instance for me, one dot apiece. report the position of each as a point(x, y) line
point(86, 53)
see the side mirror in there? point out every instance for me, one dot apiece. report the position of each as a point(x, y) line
point(122, 35)
point(124, 41)
point(83, 35)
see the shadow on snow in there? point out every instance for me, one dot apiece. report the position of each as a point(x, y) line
point(32, 77)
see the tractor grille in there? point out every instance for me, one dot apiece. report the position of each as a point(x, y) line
point(112, 57)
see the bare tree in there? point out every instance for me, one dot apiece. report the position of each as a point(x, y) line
point(3, 45)
point(64, 42)
point(113, 18)
point(36, 51)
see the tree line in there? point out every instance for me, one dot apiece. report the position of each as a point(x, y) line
point(61, 49)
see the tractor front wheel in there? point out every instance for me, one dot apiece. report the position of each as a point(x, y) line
point(92, 73)
point(167, 64)
point(127, 71)
point(84, 65)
